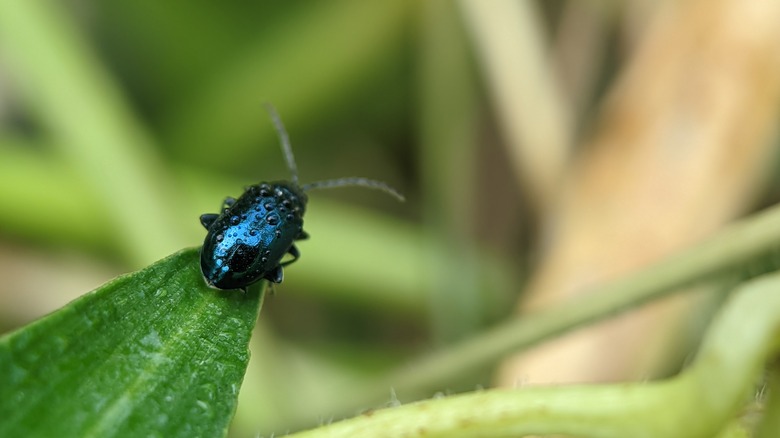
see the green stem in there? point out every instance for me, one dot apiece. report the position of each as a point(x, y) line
point(771, 416)
point(730, 252)
point(698, 403)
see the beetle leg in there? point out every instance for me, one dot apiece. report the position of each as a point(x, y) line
point(207, 219)
point(293, 251)
point(276, 275)
point(303, 235)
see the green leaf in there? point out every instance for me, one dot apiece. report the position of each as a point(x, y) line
point(152, 353)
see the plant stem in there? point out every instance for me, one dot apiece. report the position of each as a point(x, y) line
point(729, 253)
point(698, 403)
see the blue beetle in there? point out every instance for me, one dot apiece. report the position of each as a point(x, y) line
point(246, 242)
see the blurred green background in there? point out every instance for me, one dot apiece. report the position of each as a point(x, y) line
point(122, 121)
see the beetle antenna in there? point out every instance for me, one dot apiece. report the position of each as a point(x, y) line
point(284, 139)
point(360, 182)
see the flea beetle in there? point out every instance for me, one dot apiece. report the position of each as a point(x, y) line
point(246, 242)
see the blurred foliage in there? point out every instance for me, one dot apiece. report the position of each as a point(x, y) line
point(122, 121)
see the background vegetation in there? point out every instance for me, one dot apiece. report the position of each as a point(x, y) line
point(545, 148)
